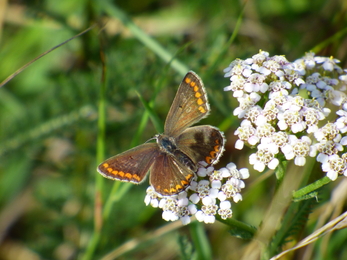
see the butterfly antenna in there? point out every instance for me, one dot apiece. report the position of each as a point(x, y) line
point(153, 138)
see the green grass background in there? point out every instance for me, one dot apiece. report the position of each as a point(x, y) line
point(53, 132)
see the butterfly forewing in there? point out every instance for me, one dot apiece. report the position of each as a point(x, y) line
point(168, 176)
point(189, 106)
point(132, 165)
point(201, 143)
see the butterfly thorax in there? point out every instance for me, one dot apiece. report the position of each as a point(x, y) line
point(168, 145)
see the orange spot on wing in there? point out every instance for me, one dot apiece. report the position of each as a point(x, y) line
point(128, 176)
point(200, 101)
point(136, 177)
point(189, 176)
point(184, 183)
point(178, 187)
point(202, 110)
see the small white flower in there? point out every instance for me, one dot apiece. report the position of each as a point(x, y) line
point(336, 97)
point(192, 209)
point(225, 205)
point(237, 197)
point(343, 141)
point(217, 175)
point(202, 172)
point(262, 158)
point(247, 133)
point(280, 139)
point(265, 130)
point(341, 122)
point(225, 173)
point(322, 158)
point(239, 144)
point(300, 160)
point(298, 149)
point(222, 196)
point(216, 184)
point(185, 220)
point(193, 185)
point(214, 193)
point(194, 198)
point(244, 172)
point(209, 219)
point(169, 216)
point(225, 213)
point(207, 200)
point(152, 197)
point(309, 60)
point(203, 188)
point(327, 132)
point(183, 202)
point(257, 164)
point(209, 170)
point(200, 216)
point(334, 166)
point(273, 164)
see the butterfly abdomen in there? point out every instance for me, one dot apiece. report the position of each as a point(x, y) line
point(168, 145)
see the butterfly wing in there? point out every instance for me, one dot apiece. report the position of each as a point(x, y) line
point(169, 176)
point(189, 106)
point(131, 165)
point(201, 143)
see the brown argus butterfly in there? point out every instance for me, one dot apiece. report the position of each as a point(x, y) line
point(173, 158)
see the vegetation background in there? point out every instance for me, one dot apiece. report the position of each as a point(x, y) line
point(52, 201)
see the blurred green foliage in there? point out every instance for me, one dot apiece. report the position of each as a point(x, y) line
point(48, 114)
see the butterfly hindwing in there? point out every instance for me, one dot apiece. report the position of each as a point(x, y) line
point(201, 143)
point(169, 176)
point(132, 165)
point(189, 106)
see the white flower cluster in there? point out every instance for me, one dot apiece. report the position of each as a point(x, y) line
point(284, 107)
point(210, 194)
